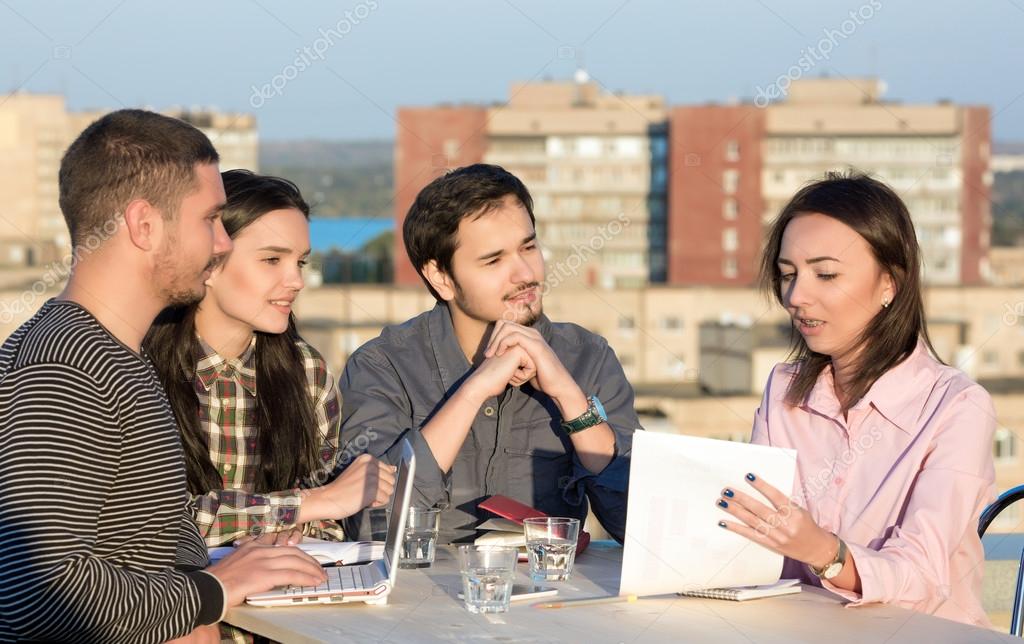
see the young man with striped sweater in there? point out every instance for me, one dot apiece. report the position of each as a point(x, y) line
point(96, 539)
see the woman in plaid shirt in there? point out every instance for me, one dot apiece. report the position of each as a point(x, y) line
point(258, 408)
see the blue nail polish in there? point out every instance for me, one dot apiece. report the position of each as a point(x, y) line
point(751, 477)
point(721, 524)
point(722, 503)
point(729, 493)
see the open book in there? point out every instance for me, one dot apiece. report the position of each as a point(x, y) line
point(328, 553)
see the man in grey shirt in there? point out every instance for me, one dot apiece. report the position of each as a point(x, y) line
point(494, 397)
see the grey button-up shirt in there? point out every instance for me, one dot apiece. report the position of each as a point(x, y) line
point(394, 384)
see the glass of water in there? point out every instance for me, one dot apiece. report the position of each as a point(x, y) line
point(487, 574)
point(551, 545)
point(420, 541)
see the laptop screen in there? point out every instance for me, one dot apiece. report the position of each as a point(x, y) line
point(399, 507)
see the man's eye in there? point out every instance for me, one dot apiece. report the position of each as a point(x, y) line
point(827, 276)
point(492, 262)
point(272, 260)
point(785, 277)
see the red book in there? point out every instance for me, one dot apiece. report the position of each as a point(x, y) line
point(513, 510)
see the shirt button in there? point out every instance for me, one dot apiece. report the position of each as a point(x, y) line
point(839, 480)
point(227, 467)
point(488, 411)
point(225, 401)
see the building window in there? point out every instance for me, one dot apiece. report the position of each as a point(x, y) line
point(730, 181)
point(732, 151)
point(729, 268)
point(451, 150)
point(730, 240)
point(729, 209)
point(626, 323)
point(589, 146)
point(1004, 446)
point(627, 361)
point(672, 323)
point(991, 358)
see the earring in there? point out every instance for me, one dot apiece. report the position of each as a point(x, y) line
point(885, 303)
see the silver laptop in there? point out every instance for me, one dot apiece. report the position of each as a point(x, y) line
point(370, 582)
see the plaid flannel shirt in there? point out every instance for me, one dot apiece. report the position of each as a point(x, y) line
point(227, 410)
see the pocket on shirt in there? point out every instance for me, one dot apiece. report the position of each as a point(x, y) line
point(538, 476)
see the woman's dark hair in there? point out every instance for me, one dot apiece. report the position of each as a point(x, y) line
point(877, 214)
point(432, 223)
point(287, 434)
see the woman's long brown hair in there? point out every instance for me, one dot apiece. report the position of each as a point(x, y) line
point(877, 214)
point(287, 434)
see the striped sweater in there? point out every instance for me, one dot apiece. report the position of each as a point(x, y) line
point(96, 539)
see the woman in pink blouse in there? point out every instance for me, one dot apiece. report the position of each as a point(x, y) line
point(894, 448)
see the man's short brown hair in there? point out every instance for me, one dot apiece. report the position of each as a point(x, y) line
point(127, 155)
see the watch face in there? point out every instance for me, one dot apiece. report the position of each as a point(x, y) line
point(832, 570)
point(600, 409)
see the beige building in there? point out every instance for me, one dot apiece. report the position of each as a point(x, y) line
point(1007, 265)
point(925, 152)
point(595, 165)
point(233, 134)
point(678, 345)
point(670, 343)
point(696, 337)
point(733, 168)
point(35, 130)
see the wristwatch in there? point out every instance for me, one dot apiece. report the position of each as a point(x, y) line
point(834, 567)
point(595, 415)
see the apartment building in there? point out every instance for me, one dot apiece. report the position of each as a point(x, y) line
point(733, 167)
point(595, 164)
point(36, 129)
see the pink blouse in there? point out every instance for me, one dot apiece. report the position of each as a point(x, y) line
point(903, 480)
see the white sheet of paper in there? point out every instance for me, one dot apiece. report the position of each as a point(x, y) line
point(673, 541)
point(326, 552)
point(500, 523)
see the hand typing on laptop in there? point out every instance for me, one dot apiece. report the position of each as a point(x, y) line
point(255, 568)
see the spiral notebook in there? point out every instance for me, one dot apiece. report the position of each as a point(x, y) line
point(743, 593)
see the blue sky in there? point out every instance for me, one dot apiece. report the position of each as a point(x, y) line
point(389, 53)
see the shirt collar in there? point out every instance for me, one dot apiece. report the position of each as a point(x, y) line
point(899, 394)
point(452, 364)
point(211, 365)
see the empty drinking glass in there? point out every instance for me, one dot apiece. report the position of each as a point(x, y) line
point(487, 574)
point(551, 545)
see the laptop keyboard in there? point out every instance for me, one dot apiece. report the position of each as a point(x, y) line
point(339, 579)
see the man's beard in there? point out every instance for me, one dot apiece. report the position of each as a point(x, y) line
point(525, 316)
point(176, 283)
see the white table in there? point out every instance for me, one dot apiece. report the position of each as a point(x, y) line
point(423, 608)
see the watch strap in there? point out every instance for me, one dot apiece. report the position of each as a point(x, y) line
point(840, 559)
point(592, 416)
